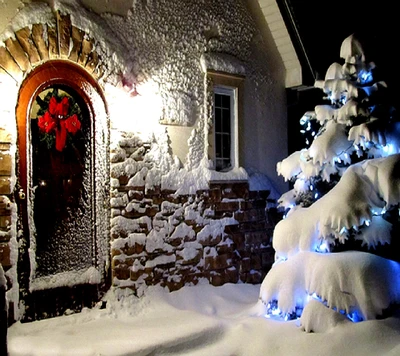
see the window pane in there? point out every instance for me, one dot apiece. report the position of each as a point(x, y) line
point(226, 146)
point(218, 164)
point(226, 121)
point(221, 164)
point(225, 101)
point(217, 99)
point(218, 145)
point(218, 121)
point(226, 163)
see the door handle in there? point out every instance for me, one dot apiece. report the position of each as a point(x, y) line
point(21, 194)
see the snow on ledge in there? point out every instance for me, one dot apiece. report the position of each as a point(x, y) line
point(189, 182)
point(222, 62)
point(67, 279)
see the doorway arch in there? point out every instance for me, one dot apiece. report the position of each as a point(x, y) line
point(72, 256)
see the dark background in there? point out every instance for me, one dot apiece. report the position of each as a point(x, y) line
point(318, 28)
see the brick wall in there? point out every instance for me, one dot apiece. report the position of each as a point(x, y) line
point(222, 235)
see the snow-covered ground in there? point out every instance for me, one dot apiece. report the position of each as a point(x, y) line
point(199, 320)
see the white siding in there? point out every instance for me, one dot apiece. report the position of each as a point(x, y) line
point(283, 42)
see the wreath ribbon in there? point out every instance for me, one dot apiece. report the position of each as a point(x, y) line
point(56, 120)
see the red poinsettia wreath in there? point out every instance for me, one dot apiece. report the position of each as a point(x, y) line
point(59, 120)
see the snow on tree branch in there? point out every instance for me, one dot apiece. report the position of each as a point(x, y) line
point(330, 144)
point(345, 196)
point(355, 283)
point(365, 188)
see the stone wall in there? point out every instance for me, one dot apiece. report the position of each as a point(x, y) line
point(5, 199)
point(221, 234)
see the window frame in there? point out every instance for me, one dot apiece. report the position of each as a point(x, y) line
point(221, 82)
point(233, 132)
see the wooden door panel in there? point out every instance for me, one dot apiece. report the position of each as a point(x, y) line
point(63, 209)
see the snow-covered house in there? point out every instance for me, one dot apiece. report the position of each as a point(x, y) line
point(138, 145)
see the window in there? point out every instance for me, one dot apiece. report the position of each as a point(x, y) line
point(224, 128)
point(227, 111)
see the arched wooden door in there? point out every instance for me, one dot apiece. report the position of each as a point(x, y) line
point(62, 192)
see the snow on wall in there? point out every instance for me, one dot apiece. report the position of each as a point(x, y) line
point(173, 38)
point(160, 236)
point(8, 135)
point(176, 45)
point(13, 292)
point(41, 12)
point(154, 61)
point(158, 50)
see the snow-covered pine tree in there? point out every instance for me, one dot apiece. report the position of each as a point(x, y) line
point(344, 205)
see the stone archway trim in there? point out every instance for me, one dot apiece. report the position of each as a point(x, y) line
point(29, 49)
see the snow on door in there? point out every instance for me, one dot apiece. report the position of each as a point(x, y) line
point(62, 183)
point(63, 145)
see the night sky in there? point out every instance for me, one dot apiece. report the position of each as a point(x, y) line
point(323, 25)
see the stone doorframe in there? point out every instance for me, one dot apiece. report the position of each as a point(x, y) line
point(28, 65)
